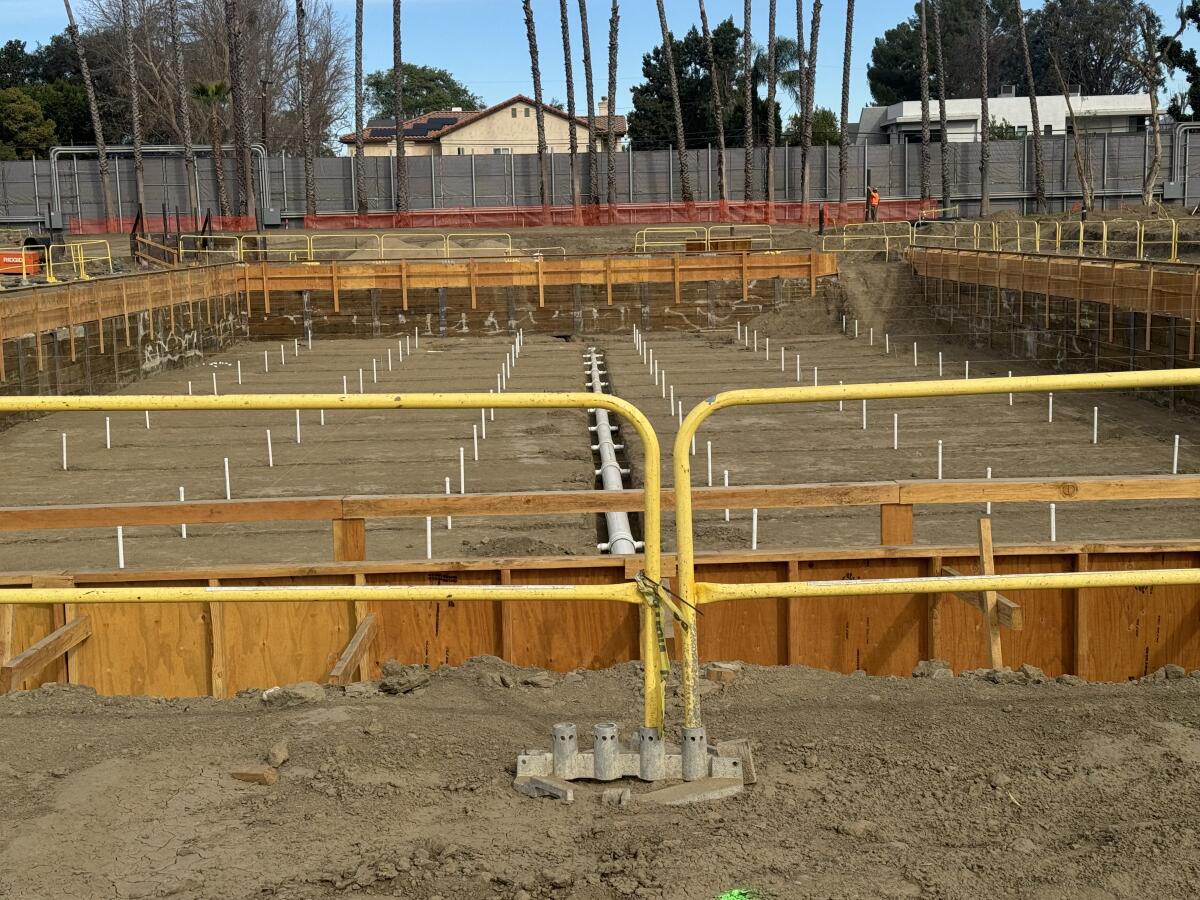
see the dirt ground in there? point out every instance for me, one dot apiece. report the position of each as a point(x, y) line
point(867, 788)
point(413, 452)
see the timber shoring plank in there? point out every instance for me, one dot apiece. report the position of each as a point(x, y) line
point(346, 668)
point(44, 652)
point(1008, 613)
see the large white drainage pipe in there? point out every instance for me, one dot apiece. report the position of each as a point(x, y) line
point(612, 476)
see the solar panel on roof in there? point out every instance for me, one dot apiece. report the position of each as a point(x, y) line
point(421, 129)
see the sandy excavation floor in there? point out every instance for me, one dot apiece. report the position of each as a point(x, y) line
point(414, 451)
point(868, 788)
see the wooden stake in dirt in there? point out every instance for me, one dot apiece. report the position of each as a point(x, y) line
point(449, 519)
point(120, 547)
point(270, 451)
point(754, 529)
point(475, 441)
point(726, 471)
point(64, 451)
point(183, 526)
point(228, 492)
point(107, 433)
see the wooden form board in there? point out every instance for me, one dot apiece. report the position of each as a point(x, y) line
point(1147, 287)
point(174, 650)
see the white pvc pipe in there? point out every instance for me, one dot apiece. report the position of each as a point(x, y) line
point(726, 471)
point(1010, 396)
point(782, 359)
point(939, 364)
point(989, 504)
point(483, 424)
point(475, 442)
point(887, 343)
point(816, 381)
point(270, 451)
point(345, 386)
point(767, 347)
point(708, 448)
point(296, 343)
point(282, 355)
point(239, 371)
point(967, 369)
point(914, 354)
point(462, 470)
point(1053, 524)
point(215, 393)
point(871, 337)
point(841, 403)
point(361, 389)
point(183, 526)
point(120, 547)
point(417, 336)
point(322, 417)
point(754, 529)
point(189, 389)
point(856, 329)
point(429, 537)
point(864, 415)
point(107, 433)
point(147, 414)
point(1175, 458)
point(1050, 407)
point(449, 519)
point(64, 451)
point(297, 426)
point(228, 492)
point(895, 431)
point(620, 531)
point(375, 371)
point(939, 460)
point(1095, 424)
point(797, 368)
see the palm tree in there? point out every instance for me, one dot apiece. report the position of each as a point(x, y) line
point(924, 105)
point(398, 110)
point(985, 205)
point(572, 139)
point(183, 111)
point(685, 177)
point(748, 104)
point(360, 175)
point(1039, 162)
point(772, 80)
point(807, 104)
point(718, 104)
point(213, 95)
point(89, 88)
point(302, 80)
point(941, 68)
point(539, 110)
point(614, 22)
point(593, 165)
point(135, 103)
point(844, 145)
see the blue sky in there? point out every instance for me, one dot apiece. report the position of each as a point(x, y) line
point(483, 41)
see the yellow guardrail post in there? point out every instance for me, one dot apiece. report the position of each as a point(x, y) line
point(654, 696)
point(693, 594)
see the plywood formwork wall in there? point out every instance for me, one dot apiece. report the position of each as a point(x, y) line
point(194, 649)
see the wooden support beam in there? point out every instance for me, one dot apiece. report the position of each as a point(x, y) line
point(44, 652)
point(349, 663)
point(895, 524)
point(987, 566)
point(933, 613)
point(349, 540)
point(1008, 613)
point(218, 660)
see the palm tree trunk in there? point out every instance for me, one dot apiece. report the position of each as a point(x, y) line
point(844, 146)
point(593, 163)
point(614, 23)
point(89, 87)
point(802, 84)
point(718, 104)
point(215, 138)
point(810, 85)
point(302, 79)
point(685, 177)
point(240, 105)
point(135, 103)
point(924, 104)
point(944, 147)
point(985, 121)
point(573, 140)
point(1039, 162)
point(398, 110)
point(360, 175)
point(748, 104)
point(772, 79)
point(184, 112)
point(539, 110)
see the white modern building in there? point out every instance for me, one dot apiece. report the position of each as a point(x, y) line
point(901, 122)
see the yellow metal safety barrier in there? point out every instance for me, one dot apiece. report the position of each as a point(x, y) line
point(761, 237)
point(340, 245)
point(650, 239)
point(466, 244)
point(276, 247)
point(693, 594)
point(1161, 233)
point(869, 237)
point(629, 592)
point(945, 212)
point(76, 256)
point(210, 248)
point(960, 236)
point(413, 245)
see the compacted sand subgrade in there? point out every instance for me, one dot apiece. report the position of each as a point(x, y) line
point(868, 788)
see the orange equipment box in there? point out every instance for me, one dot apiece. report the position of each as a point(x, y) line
point(10, 261)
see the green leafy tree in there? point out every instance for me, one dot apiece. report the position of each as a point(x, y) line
point(825, 129)
point(24, 131)
point(425, 89)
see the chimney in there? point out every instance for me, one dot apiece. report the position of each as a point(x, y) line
point(602, 108)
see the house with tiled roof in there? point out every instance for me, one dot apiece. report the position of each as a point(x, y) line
point(508, 127)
